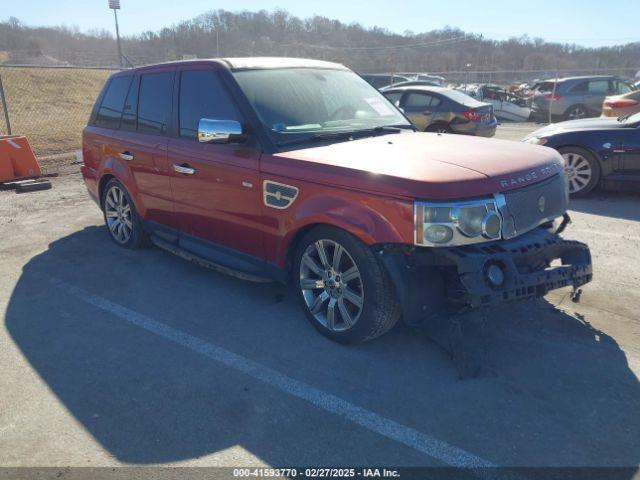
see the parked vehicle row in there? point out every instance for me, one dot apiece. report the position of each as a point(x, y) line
point(299, 171)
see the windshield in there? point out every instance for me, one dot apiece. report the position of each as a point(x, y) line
point(300, 103)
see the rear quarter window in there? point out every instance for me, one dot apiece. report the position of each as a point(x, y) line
point(110, 110)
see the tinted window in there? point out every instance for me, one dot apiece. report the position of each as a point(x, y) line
point(130, 111)
point(110, 110)
point(202, 95)
point(380, 82)
point(545, 87)
point(154, 104)
point(581, 87)
point(417, 101)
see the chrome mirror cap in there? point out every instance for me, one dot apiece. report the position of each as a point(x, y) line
point(218, 131)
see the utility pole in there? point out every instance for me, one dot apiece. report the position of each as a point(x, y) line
point(115, 6)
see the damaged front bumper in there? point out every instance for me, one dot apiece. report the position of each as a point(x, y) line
point(436, 280)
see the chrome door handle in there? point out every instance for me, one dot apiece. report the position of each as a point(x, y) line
point(183, 169)
point(126, 156)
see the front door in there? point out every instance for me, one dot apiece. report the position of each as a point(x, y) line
point(630, 151)
point(215, 187)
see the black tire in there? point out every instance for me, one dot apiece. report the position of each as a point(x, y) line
point(576, 112)
point(439, 128)
point(380, 309)
point(138, 238)
point(594, 164)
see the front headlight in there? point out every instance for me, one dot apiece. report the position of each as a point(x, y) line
point(459, 223)
point(536, 140)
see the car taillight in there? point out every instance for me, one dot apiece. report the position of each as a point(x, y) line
point(552, 97)
point(472, 115)
point(627, 102)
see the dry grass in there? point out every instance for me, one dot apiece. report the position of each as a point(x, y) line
point(50, 105)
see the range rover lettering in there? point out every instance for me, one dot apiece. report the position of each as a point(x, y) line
point(299, 171)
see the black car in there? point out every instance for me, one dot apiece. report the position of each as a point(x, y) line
point(596, 151)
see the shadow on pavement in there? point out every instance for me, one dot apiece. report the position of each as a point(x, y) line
point(552, 391)
point(608, 204)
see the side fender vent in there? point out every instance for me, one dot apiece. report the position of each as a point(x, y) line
point(278, 195)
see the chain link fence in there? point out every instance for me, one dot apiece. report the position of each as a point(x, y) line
point(49, 105)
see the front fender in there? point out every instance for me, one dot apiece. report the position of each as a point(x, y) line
point(371, 219)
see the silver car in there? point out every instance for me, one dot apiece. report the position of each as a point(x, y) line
point(575, 97)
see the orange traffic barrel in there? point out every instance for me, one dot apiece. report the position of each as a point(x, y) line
point(17, 160)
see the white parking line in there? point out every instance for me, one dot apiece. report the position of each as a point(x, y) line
point(408, 436)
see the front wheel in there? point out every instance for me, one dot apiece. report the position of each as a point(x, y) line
point(582, 170)
point(345, 292)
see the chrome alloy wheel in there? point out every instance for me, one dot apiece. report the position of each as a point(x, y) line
point(331, 285)
point(117, 211)
point(576, 113)
point(578, 171)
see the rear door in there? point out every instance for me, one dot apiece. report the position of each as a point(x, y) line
point(218, 204)
point(597, 91)
point(418, 107)
point(97, 137)
point(141, 142)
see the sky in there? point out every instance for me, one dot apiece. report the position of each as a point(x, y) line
point(590, 23)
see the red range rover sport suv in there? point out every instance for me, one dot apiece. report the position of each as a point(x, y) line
point(299, 171)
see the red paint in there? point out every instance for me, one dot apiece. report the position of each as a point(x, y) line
point(366, 187)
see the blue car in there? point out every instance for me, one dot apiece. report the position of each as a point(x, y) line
point(601, 152)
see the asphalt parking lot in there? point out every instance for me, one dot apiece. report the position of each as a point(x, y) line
point(112, 357)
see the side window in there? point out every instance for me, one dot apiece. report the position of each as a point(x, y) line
point(394, 97)
point(599, 86)
point(154, 103)
point(435, 102)
point(110, 109)
point(202, 95)
point(130, 111)
point(417, 101)
point(622, 87)
point(581, 87)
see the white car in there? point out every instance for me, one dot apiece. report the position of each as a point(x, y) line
point(506, 106)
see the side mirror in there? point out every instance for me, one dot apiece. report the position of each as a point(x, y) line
point(219, 131)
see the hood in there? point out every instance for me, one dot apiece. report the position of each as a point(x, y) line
point(420, 165)
point(577, 125)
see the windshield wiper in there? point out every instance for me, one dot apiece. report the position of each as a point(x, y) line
point(316, 137)
point(349, 135)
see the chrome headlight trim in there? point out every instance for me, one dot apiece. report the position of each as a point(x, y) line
point(461, 235)
point(536, 140)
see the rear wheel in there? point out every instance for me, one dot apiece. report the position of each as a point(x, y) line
point(121, 218)
point(345, 292)
point(576, 112)
point(582, 170)
point(439, 128)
